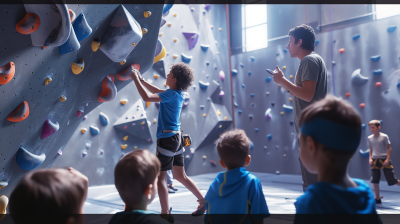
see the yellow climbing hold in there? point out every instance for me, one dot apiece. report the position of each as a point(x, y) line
point(175, 56)
point(135, 147)
point(124, 101)
point(218, 112)
point(5, 184)
point(175, 15)
point(47, 81)
point(279, 85)
point(160, 34)
point(133, 44)
point(169, 24)
point(220, 126)
point(284, 155)
point(143, 123)
point(204, 115)
point(124, 146)
point(83, 130)
point(3, 205)
point(284, 67)
point(144, 30)
point(78, 67)
point(226, 118)
point(220, 29)
point(204, 157)
point(95, 45)
point(146, 14)
point(154, 120)
point(63, 98)
point(165, 84)
point(156, 76)
point(291, 77)
point(148, 104)
point(290, 99)
point(282, 113)
point(125, 138)
point(175, 40)
point(123, 62)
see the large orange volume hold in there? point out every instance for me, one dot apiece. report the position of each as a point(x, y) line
point(29, 24)
point(7, 73)
point(19, 114)
point(126, 74)
point(108, 89)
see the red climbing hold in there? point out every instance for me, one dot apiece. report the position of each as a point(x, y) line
point(108, 89)
point(72, 15)
point(347, 95)
point(362, 105)
point(378, 84)
point(7, 73)
point(29, 24)
point(126, 74)
point(19, 114)
point(341, 50)
point(213, 162)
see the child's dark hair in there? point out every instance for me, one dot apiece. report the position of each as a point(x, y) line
point(134, 173)
point(306, 33)
point(333, 109)
point(54, 192)
point(375, 122)
point(233, 148)
point(183, 74)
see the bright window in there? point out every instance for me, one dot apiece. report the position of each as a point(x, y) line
point(254, 27)
point(384, 11)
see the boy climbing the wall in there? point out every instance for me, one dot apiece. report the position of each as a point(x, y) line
point(169, 135)
point(379, 157)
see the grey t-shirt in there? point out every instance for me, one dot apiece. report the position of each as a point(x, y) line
point(313, 68)
point(378, 145)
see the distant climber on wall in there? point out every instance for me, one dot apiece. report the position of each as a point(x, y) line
point(310, 81)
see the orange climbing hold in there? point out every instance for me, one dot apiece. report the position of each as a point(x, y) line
point(20, 113)
point(29, 24)
point(378, 84)
point(341, 50)
point(7, 73)
point(148, 104)
point(126, 74)
point(362, 105)
point(347, 95)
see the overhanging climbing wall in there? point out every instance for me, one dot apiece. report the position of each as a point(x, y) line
point(192, 31)
point(54, 81)
point(275, 147)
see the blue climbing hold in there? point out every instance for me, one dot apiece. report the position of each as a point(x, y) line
point(285, 50)
point(355, 37)
point(272, 104)
point(277, 54)
point(27, 160)
point(81, 27)
point(251, 145)
point(233, 94)
point(94, 130)
point(243, 85)
point(241, 65)
point(252, 58)
point(287, 109)
point(316, 42)
point(364, 153)
point(103, 118)
point(269, 136)
point(252, 94)
point(236, 105)
point(204, 47)
point(166, 9)
point(234, 71)
point(203, 85)
point(256, 129)
point(291, 122)
point(363, 126)
point(249, 73)
point(268, 79)
point(390, 29)
point(186, 58)
point(72, 44)
point(375, 58)
point(381, 121)
point(398, 84)
point(377, 72)
point(251, 116)
point(239, 111)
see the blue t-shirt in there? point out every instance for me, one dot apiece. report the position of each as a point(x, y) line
point(326, 198)
point(235, 192)
point(170, 110)
point(138, 217)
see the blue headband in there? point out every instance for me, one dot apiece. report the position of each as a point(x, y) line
point(333, 135)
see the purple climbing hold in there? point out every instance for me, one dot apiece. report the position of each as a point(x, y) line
point(59, 153)
point(157, 105)
point(221, 94)
point(222, 75)
point(49, 128)
point(192, 38)
point(207, 7)
point(162, 23)
point(268, 114)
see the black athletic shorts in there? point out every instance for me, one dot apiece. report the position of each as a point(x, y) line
point(172, 144)
point(387, 170)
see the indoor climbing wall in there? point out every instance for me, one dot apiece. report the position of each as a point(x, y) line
point(363, 68)
point(196, 35)
point(59, 62)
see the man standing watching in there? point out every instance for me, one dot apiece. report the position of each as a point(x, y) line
point(310, 81)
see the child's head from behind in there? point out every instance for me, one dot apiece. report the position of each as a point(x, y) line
point(136, 177)
point(59, 193)
point(180, 77)
point(330, 133)
point(233, 149)
point(374, 126)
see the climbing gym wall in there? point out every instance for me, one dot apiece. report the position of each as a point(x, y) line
point(363, 68)
point(58, 63)
point(196, 35)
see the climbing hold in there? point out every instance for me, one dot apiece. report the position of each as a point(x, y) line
point(154, 121)
point(272, 104)
point(175, 56)
point(144, 30)
point(148, 104)
point(268, 114)
point(279, 85)
point(235, 104)
point(256, 129)
point(175, 40)
point(207, 7)
point(88, 145)
point(222, 75)
point(101, 152)
point(333, 62)
point(251, 145)
point(267, 93)
point(27, 160)
point(221, 93)
point(94, 130)
point(377, 72)
point(3, 184)
point(49, 128)
point(284, 67)
point(290, 99)
point(251, 116)
point(169, 24)
point(239, 111)
point(398, 84)
point(72, 15)
point(316, 42)
point(362, 105)
point(186, 58)
point(124, 146)
point(363, 126)
point(84, 153)
point(79, 112)
point(85, 117)
point(252, 58)
point(378, 84)
point(7, 73)
point(390, 29)
point(47, 81)
point(186, 99)
point(341, 50)
point(268, 79)
point(175, 15)
point(83, 130)
point(156, 76)
point(347, 95)
point(20, 113)
point(146, 14)
point(220, 29)
point(234, 71)
point(251, 94)
point(213, 163)
point(357, 78)
point(375, 58)
point(192, 9)
point(123, 62)
point(291, 122)
point(219, 112)
point(243, 85)
point(192, 38)
point(81, 27)
point(282, 113)
point(204, 47)
point(203, 85)
point(78, 67)
point(364, 153)
point(160, 34)
point(72, 44)
point(29, 24)
point(277, 54)
point(142, 123)
point(241, 65)
point(269, 136)
point(103, 118)
point(125, 138)
point(160, 51)
point(201, 106)
point(249, 73)
point(108, 89)
point(63, 98)
point(355, 37)
point(287, 109)
point(204, 115)
point(95, 45)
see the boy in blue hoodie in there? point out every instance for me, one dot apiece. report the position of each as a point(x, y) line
point(330, 134)
point(236, 191)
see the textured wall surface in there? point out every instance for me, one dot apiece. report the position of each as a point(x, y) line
point(382, 103)
point(34, 64)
